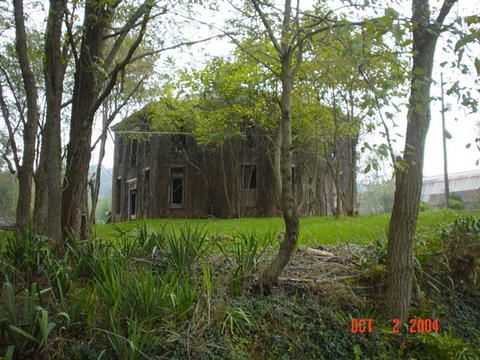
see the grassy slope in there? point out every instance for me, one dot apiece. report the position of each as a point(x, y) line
point(314, 230)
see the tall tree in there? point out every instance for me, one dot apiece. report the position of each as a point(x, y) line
point(89, 91)
point(25, 169)
point(289, 53)
point(409, 169)
point(51, 150)
point(289, 32)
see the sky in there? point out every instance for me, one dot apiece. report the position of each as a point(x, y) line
point(461, 125)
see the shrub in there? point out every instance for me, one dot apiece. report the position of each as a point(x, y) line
point(424, 206)
point(182, 249)
point(461, 244)
point(456, 203)
point(442, 347)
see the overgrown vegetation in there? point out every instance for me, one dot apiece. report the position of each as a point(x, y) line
point(186, 292)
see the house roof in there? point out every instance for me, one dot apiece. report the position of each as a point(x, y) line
point(139, 120)
point(458, 182)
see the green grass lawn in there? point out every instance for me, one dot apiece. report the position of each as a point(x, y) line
point(314, 230)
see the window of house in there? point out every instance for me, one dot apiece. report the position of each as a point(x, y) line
point(132, 199)
point(120, 151)
point(146, 189)
point(133, 152)
point(249, 177)
point(148, 149)
point(118, 195)
point(178, 142)
point(176, 186)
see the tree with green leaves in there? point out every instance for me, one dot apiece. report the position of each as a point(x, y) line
point(353, 72)
point(289, 32)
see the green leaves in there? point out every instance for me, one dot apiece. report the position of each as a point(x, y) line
point(23, 333)
point(23, 319)
point(391, 13)
point(472, 20)
point(477, 65)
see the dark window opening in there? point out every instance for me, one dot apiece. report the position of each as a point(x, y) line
point(133, 152)
point(118, 195)
point(148, 149)
point(120, 151)
point(178, 142)
point(249, 177)
point(132, 200)
point(249, 133)
point(176, 185)
point(146, 189)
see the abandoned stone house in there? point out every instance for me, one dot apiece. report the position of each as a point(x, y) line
point(159, 174)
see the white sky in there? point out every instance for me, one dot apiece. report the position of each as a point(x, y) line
point(464, 129)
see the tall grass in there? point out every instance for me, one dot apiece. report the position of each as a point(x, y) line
point(175, 292)
point(244, 252)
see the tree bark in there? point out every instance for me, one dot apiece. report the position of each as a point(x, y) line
point(85, 93)
point(277, 173)
point(289, 210)
point(409, 171)
point(86, 99)
point(350, 198)
point(25, 171)
point(95, 190)
point(225, 182)
point(54, 70)
point(40, 210)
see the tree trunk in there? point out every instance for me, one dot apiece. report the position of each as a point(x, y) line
point(25, 171)
point(409, 170)
point(338, 189)
point(350, 198)
point(85, 92)
point(54, 70)
point(86, 99)
point(225, 183)
point(98, 173)
point(277, 173)
point(289, 211)
point(40, 210)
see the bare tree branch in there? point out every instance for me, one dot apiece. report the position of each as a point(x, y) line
point(18, 104)
point(119, 67)
point(9, 164)
point(70, 35)
point(117, 110)
point(446, 6)
point(11, 132)
point(176, 46)
point(120, 31)
point(267, 25)
point(130, 24)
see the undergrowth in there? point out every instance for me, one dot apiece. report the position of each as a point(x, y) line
point(186, 293)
